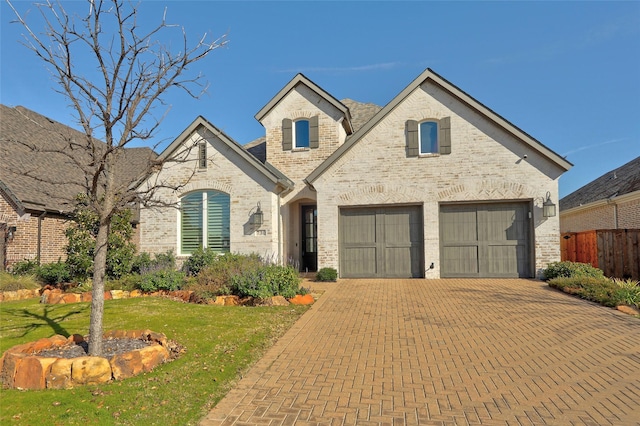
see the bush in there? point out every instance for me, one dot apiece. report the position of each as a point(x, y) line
point(162, 280)
point(25, 267)
point(199, 259)
point(143, 263)
point(267, 281)
point(10, 282)
point(571, 269)
point(128, 283)
point(629, 291)
point(215, 279)
point(599, 290)
point(54, 273)
point(327, 274)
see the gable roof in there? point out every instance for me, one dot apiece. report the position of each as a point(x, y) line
point(463, 97)
point(273, 174)
point(360, 114)
point(623, 180)
point(36, 177)
point(301, 79)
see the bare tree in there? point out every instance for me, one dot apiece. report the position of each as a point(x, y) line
point(114, 74)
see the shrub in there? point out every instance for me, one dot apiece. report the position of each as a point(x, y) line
point(165, 279)
point(267, 281)
point(629, 291)
point(327, 274)
point(199, 259)
point(571, 269)
point(215, 279)
point(25, 267)
point(128, 283)
point(143, 263)
point(54, 273)
point(10, 282)
point(599, 290)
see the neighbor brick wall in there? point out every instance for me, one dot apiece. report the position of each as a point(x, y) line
point(24, 244)
point(376, 171)
point(603, 216)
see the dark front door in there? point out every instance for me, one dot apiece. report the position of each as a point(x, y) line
point(309, 238)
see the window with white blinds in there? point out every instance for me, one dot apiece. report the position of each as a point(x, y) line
point(204, 221)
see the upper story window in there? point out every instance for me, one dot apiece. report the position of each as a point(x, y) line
point(428, 136)
point(202, 155)
point(204, 221)
point(301, 134)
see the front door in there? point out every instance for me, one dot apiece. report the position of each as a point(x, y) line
point(309, 239)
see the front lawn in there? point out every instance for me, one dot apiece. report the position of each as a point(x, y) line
point(221, 343)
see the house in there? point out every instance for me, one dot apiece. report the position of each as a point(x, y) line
point(434, 184)
point(611, 201)
point(40, 178)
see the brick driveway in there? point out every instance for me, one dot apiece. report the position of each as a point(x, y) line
point(445, 352)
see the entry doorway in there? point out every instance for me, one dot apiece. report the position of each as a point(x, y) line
point(309, 241)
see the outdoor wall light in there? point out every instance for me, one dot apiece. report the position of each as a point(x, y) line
point(548, 208)
point(12, 231)
point(257, 216)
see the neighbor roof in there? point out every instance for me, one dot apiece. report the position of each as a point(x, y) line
point(38, 173)
point(463, 97)
point(623, 180)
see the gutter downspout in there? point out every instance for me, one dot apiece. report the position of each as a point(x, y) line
point(280, 230)
point(39, 249)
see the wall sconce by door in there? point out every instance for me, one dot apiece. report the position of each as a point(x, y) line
point(257, 216)
point(548, 208)
point(11, 232)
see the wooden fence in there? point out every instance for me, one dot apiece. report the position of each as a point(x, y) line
point(615, 251)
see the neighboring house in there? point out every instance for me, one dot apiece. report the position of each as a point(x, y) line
point(612, 201)
point(39, 180)
point(432, 185)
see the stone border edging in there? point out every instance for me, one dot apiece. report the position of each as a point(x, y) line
point(21, 369)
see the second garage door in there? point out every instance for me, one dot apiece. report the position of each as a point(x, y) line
point(485, 240)
point(381, 242)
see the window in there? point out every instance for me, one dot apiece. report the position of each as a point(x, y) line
point(204, 221)
point(202, 155)
point(428, 136)
point(301, 134)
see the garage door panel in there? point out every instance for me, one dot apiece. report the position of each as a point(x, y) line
point(393, 237)
point(502, 240)
point(460, 261)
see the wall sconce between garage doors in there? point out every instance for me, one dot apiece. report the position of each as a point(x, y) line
point(548, 208)
point(257, 216)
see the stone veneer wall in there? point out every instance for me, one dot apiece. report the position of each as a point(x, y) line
point(376, 171)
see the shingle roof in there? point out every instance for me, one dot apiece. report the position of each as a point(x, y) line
point(360, 114)
point(38, 167)
point(623, 180)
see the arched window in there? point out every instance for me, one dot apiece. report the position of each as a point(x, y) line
point(428, 136)
point(301, 134)
point(204, 221)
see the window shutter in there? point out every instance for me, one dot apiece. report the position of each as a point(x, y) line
point(445, 135)
point(202, 155)
point(287, 134)
point(412, 138)
point(314, 137)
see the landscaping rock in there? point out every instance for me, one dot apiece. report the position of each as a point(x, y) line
point(628, 309)
point(153, 356)
point(126, 365)
point(90, 370)
point(307, 299)
point(30, 375)
point(59, 376)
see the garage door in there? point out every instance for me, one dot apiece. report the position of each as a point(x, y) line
point(381, 242)
point(485, 240)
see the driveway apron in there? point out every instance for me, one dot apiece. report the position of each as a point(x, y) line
point(445, 352)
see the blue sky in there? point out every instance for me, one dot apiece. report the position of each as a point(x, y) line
point(567, 73)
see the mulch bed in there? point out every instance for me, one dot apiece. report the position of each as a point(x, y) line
point(110, 347)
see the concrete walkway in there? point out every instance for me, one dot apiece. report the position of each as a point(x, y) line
point(445, 352)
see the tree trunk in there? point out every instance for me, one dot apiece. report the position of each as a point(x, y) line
point(97, 294)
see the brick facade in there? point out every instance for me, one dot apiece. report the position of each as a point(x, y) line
point(24, 243)
point(616, 213)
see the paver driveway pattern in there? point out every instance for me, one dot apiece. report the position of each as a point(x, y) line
point(445, 352)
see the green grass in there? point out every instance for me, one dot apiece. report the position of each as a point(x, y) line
point(221, 343)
